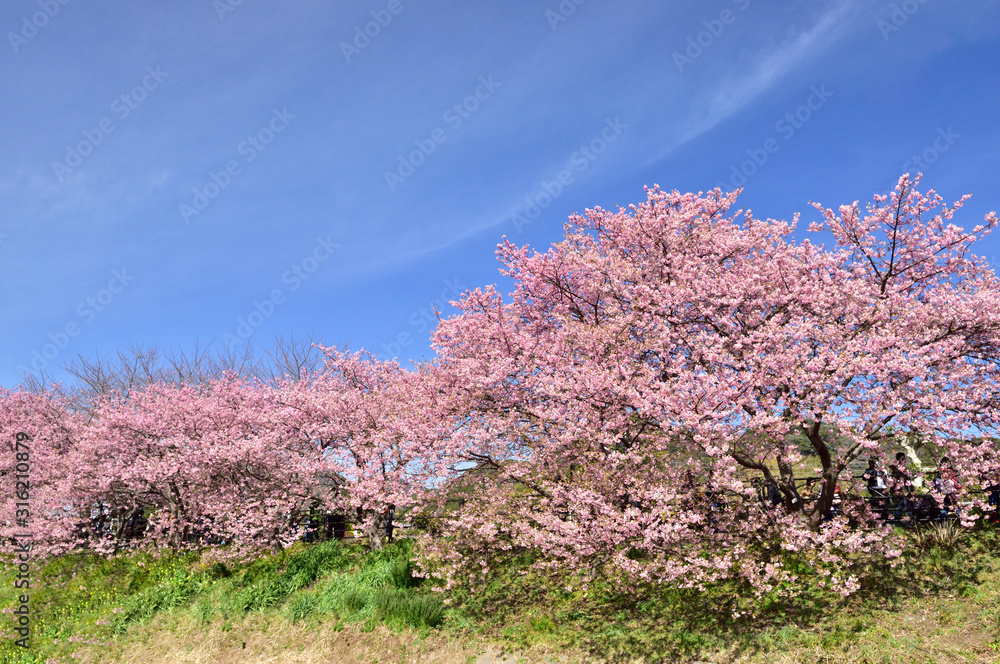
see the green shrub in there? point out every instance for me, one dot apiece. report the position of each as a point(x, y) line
point(204, 612)
point(142, 606)
point(218, 571)
point(408, 608)
point(401, 574)
point(301, 606)
point(262, 595)
point(945, 536)
point(543, 624)
point(354, 600)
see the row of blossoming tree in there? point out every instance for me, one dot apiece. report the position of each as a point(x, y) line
point(611, 415)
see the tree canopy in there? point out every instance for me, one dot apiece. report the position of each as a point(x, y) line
point(617, 410)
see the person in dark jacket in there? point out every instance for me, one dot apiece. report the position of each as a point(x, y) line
point(878, 485)
point(902, 486)
point(388, 514)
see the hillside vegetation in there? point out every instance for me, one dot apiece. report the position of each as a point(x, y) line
point(336, 602)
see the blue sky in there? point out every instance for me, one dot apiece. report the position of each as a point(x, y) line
point(168, 169)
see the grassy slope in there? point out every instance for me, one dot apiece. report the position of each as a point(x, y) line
point(333, 603)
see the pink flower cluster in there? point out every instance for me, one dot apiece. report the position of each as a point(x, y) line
point(650, 367)
point(242, 461)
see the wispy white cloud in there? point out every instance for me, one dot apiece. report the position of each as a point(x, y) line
point(725, 98)
point(731, 94)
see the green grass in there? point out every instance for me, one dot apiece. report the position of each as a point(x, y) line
point(950, 582)
point(97, 600)
point(946, 585)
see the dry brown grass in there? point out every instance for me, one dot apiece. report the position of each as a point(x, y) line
point(263, 640)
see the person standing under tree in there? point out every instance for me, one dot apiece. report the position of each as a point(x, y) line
point(388, 514)
point(902, 486)
point(947, 483)
point(876, 480)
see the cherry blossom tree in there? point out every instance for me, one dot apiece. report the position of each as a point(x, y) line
point(217, 459)
point(38, 432)
point(220, 458)
point(381, 430)
point(647, 369)
point(227, 459)
point(619, 413)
